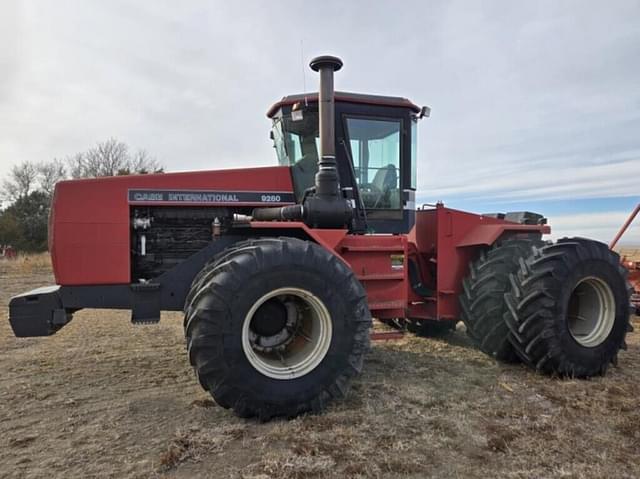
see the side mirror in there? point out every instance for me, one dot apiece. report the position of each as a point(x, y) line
point(425, 112)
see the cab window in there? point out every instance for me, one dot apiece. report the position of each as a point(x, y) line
point(375, 149)
point(296, 142)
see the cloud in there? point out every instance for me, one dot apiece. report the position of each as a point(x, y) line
point(530, 100)
point(600, 226)
point(549, 182)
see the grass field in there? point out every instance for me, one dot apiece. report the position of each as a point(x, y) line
point(103, 398)
point(631, 254)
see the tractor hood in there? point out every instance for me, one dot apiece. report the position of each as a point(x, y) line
point(89, 225)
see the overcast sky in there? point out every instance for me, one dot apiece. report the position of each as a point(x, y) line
point(536, 105)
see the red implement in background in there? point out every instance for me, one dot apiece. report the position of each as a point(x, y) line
point(632, 265)
point(634, 279)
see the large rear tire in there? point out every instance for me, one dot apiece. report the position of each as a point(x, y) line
point(277, 327)
point(568, 308)
point(482, 299)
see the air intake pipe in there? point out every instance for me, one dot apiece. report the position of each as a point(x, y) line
point(325, 207)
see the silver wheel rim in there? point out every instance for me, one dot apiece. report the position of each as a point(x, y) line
point(592, 311)
point(300, 346)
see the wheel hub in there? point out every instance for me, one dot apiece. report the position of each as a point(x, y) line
point(592, 312)
point(270, 318)
point(286, 333)
point(273, 325)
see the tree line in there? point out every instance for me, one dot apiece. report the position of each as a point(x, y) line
point(27, 190)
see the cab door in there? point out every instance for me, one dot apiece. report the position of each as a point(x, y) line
point(374, 142)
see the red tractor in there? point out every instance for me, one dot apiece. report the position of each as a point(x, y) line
point(7, 252)
point(279, 270)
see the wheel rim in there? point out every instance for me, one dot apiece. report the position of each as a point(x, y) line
point(292, 345)
point(592, 311)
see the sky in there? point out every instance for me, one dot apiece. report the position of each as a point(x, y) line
point(535, 105)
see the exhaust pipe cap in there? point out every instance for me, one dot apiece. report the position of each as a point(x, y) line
point(326, 61)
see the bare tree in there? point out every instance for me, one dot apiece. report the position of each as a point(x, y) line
point(107, 158)
point(75, 165)
point(142, 162)
point(21, 181)
point(111, 158)
point(49, 173)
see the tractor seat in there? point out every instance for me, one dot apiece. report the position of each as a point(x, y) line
point(384, 183)
point(386, 178)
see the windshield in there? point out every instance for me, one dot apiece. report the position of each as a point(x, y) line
point(296, 141)
point(375, 149)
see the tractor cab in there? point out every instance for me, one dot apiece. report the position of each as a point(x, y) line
point(375, 150)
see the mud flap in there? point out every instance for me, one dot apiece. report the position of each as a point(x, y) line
point(38, 312)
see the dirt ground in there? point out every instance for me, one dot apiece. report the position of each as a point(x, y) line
point(103, 398)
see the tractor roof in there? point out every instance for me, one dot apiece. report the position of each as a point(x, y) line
point(346, 97)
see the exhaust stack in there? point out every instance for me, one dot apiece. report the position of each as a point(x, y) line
point(325, 207)
point(326, 65)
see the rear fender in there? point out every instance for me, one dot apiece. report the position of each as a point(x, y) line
point(488, 234)
point(451, 239)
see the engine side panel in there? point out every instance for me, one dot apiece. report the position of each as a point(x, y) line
point(90, 224)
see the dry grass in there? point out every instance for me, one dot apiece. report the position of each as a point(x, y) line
point(190, 444)
point(103, 398)
point(26, 264)
point(632, 253)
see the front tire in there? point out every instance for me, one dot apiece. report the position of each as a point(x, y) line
point(568, 308)
point(277, 327)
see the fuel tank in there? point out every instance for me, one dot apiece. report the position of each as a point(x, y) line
point(90, 220)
